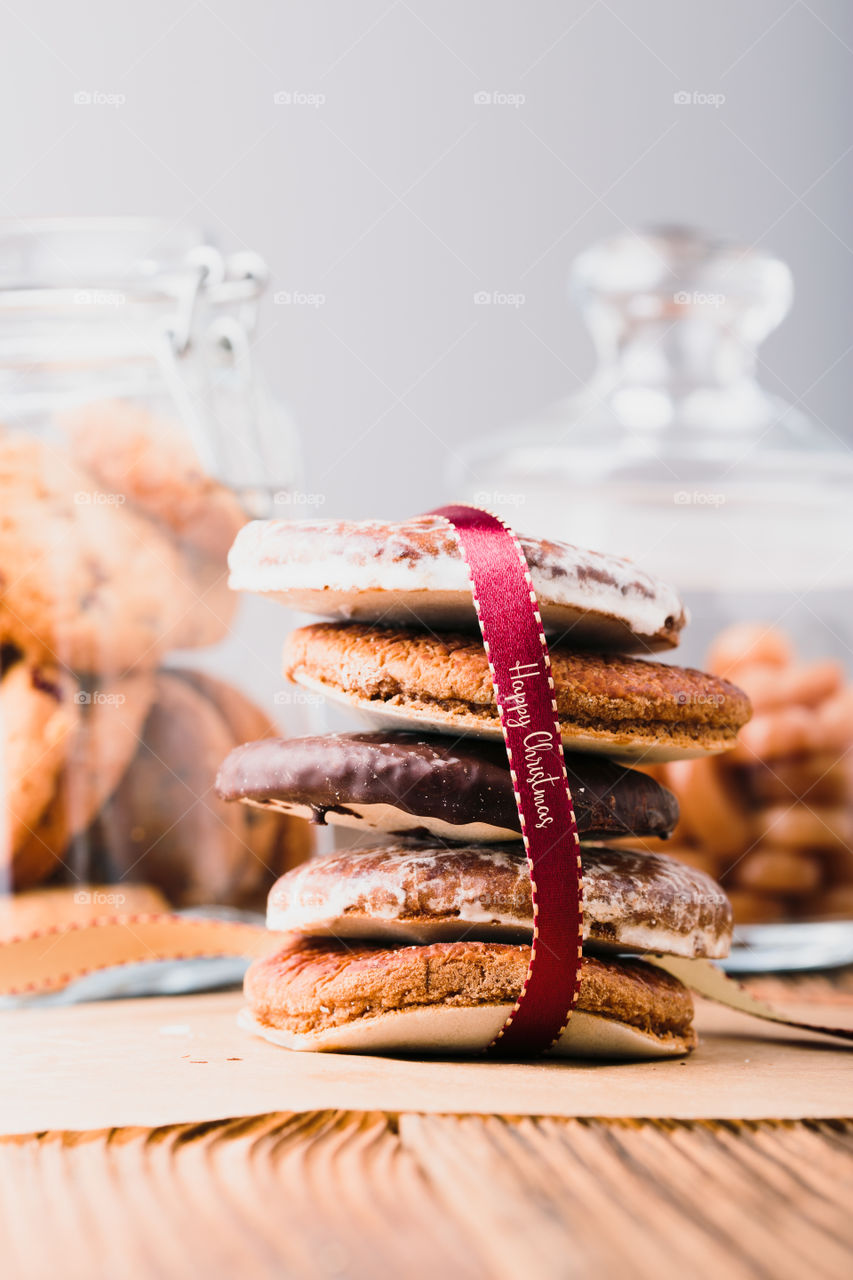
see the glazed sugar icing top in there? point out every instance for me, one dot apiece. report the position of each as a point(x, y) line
point(641, 901)
point(344, 559)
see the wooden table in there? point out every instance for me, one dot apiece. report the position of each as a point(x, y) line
point(357, 1196)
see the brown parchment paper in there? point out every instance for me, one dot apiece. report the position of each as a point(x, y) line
point(183, 1059)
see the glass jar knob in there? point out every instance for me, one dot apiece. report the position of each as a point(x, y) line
point(677, 318)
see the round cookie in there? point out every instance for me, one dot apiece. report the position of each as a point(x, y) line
point(712, 810)
point(835, 721)
point(84, 580)
point(411, 572)
point(38, 718)
point(770, 688)
point(454, 997)
point(749, 644)
point(105, 742)
point(797, 826)
point(626, 708)
point(425, 892)
point(244, 717)
point(775, 735)
point(151, 462)
point(818, 779)
point(164, 824)
point(98, 752)
point(412, 784)
point(838, 865)
point(778, 871)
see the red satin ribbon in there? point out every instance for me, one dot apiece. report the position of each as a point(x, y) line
point(514, 640)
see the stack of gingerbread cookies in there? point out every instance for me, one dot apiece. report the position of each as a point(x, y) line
point(420, 942)
point(112, 555)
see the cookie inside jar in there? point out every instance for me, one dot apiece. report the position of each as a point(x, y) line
point(132, 451)
point(773, 820)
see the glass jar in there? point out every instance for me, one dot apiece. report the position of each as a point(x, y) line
point(135, 439)
point(675, 456)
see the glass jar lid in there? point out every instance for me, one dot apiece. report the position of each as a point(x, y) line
point(110, 284)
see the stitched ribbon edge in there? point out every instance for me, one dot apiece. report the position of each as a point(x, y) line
point(515, 1033)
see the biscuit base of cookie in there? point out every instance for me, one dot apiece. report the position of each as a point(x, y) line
point(392, 821)
point(454, 611)
point(638, 747)
point(451, 1030)
point(408, 933)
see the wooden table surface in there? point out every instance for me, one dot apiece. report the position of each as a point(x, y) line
point(356, 1196)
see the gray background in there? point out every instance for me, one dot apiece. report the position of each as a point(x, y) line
point(398, 197)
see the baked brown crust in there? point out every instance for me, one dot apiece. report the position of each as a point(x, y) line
point(600, 694)
point(632, 900)
point(310, 985)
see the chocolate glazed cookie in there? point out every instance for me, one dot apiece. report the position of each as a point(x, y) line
point(421, 785)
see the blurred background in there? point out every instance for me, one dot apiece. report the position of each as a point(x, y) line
point(393, 160)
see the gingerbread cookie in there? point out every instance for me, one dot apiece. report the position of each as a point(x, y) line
point(98, 752)
point(411, 573)
point(38, 718)
point(626, 708)
point(84, 580)
point(428, 891)
point(420, 785)
point(454, 997)
point(166, 825)
point(150, 461)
